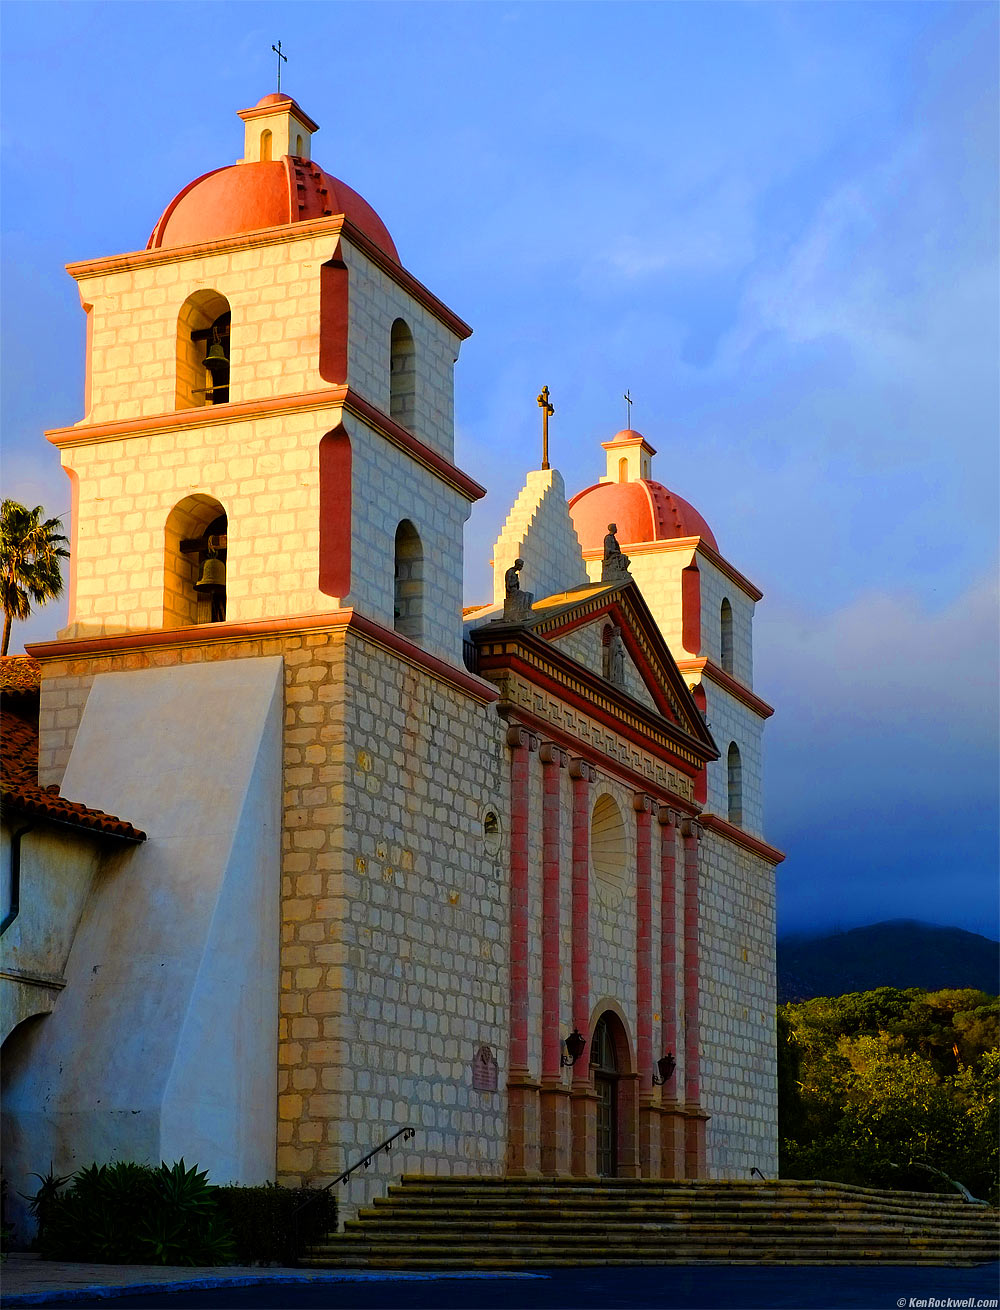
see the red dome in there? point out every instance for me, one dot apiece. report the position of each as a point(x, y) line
point(244, 197)
point(643, 511)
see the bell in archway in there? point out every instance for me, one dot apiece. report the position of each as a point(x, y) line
point(213, 575)
point(216, 357)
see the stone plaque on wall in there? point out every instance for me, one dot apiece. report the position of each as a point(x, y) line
point(484, 1071)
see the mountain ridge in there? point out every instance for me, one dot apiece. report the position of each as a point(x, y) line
point(894, 953)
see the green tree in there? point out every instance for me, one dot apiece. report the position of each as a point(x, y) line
point(30, 550)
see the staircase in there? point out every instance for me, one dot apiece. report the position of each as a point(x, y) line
point(519, 1223)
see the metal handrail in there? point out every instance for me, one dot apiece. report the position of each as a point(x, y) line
point(363, 1163)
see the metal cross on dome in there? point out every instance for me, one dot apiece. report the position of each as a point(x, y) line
point(282, 59)
point(628, 401)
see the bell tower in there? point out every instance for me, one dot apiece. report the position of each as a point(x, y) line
point(269, 425)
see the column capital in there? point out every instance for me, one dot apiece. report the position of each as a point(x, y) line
point(692, 829)
point(667, 817)
point(519, 737)
point(550, 753)
point(582, 771)
point(642, 803)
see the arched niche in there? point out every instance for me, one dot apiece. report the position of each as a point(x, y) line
point(734, 782)
point(726, 636)
point(408, 590)
point(402, 375)
point(335, 513)
point(203, 334)
point(197, 529)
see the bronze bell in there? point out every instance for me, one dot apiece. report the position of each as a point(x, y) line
point(216, 357)
point(213, 575)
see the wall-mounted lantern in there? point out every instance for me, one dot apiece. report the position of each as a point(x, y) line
point(575, 1045)
point(665, 1066)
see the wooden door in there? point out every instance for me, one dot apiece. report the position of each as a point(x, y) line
point(607, 1124)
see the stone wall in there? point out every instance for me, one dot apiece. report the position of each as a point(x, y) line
point(739, 1055)
point(396, 921)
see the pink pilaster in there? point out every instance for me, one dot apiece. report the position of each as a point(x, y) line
point(648, 1115)
point(694, 1145)
point(555, 1137)
point(672, 1122)
point(522, 1155)
point(584, 1103)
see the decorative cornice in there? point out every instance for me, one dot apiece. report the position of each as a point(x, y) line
point(215, 634)
point(693, 544)
point(520, 650)
point(301, 230)
point(707, 668)
point(332, 398)
point(755, 845)
point(598, 761)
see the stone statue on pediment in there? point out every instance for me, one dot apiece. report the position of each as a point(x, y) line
point(616, 564)
point(517, 603)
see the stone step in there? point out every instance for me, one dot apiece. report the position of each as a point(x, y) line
point(503, 1221)
point(548, 1223)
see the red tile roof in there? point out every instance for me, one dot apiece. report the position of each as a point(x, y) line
point(20, 673)
point(19, 789)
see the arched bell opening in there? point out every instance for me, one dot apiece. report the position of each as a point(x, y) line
point(196, 551)
point(614, 1085)
point(204, 327)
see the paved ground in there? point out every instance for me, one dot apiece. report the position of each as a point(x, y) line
point(114, 1287)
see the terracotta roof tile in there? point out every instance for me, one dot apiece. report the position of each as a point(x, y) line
point(19, 789)
point(20, 673)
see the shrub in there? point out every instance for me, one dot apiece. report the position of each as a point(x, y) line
point(133, 1214)
point(274, 1225)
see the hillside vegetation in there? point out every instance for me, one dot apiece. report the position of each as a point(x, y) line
point(875, 1086)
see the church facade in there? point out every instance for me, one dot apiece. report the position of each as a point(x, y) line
point(497, 876)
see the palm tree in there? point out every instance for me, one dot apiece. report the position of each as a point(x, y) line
point(30, 551)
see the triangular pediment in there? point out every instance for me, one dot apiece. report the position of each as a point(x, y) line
point(608, 630)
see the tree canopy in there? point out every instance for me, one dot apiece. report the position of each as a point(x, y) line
point(884, 1087)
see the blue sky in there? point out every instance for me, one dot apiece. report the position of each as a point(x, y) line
point(774, 223)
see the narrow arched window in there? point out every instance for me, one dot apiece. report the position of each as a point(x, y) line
point(204, 328)
point(402, 375)
point(408, 598)
point(623, 470)
point(265, 145)
point(726, 643)
point(335, 500)
point(196, 555)
point(298, 144)
point(734, 769)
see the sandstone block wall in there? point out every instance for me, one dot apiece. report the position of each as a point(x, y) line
point(376, 301)
point(739, 1058)
point(396, 922)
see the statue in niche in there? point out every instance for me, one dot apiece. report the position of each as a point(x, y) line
point(615, 566)
point(517, 603)
point(614, 656)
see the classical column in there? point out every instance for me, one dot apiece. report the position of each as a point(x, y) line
point(648, 1113)
point(672, 1121)
point(522, 1135)
point(584, 1099)
point(554, 1097)
point(694, 1142)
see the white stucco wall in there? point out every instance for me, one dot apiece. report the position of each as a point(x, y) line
point(173, 974)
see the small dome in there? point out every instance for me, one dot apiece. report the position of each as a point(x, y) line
point(643, 511)
point(628, 434)
point(275, 98)
point(247, 196)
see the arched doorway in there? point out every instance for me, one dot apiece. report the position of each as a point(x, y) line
point(604, 1063)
